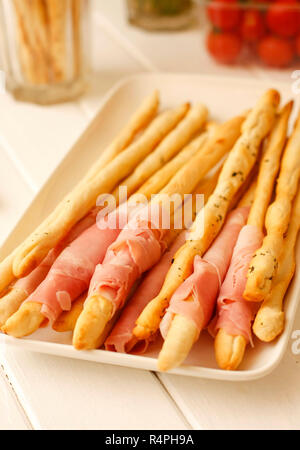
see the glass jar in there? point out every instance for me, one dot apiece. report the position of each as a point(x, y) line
point(161, 14)
point(265, 33)
point(45, 48)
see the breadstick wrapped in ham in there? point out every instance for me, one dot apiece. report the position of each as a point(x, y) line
point(68, 278)
point(24, 287)
point(121, 338)
point(235, 315)
point(236, 169)
point(138, 248)
point(195, 299)
point(193, 303)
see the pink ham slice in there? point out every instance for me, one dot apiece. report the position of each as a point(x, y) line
point(121, 337)
point(35, 278)
point(72, 271)
point(138, 248)
point(32, 281)
point(205, 282)
point(235, 315)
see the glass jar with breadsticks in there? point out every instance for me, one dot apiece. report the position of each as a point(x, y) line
point(45, 48)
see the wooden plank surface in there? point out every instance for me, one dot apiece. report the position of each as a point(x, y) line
point(59, 393)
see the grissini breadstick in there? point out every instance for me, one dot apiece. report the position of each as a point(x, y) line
point(11, 302)
point(235, 315)
point(269, 166)
point(263, 267)
point(6, 271)
point(99, 308)
point(269, 322)
point(39, 25)
point(77, 36)
point(83, 197)
point(29, 18)
point(191, 205)
point(165, 174)
point(57, 14)
point(41, 22)
point(236, 168)
point(137, 122)
point(219, 143)
point(175, 141)
point(26, 55)
point(229, 350)
point(68, 319)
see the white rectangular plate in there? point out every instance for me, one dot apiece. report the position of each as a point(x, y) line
point(225, 97)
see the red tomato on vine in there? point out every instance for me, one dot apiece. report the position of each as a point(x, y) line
point(276, 51)
point(283, 18)
point(252, 26)
point(224, 14)
point(225, 47)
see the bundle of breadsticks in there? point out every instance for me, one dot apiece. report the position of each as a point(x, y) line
point(118, 278)
point(48, 52)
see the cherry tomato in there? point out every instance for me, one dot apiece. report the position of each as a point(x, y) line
point(224, 47)
point(224, 14)
point(252, 26)
point(283, 18)
point(275, 51)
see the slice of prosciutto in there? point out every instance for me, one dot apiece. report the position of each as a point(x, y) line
point(234, 314)
point(71, 272)
point(29, 283)
point(138, 248)
point(121, 338)
point(203, 286)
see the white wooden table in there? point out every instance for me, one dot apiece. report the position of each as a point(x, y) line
point(45, 392)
